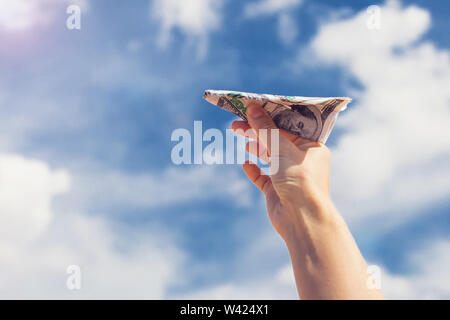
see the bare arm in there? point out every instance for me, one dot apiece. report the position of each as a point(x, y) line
point(326, 261)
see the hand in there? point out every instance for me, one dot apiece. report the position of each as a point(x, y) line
point(301, 181)
point(326, 261)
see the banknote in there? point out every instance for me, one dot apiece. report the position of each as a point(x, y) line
point(309, 117)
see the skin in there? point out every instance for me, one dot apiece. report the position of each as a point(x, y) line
point(326, 261)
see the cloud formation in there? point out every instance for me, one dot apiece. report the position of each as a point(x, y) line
point(393, 151)
point(172, 186)
point(384, 152)
point(37, 244)
point(19, 15)
point(395, 144)
point(278, 286)
point(429, 278)
point(195, 19)
point(287, 29)
point(27, 188)
point(269, 7)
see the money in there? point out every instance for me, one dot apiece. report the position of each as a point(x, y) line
point(309, 117)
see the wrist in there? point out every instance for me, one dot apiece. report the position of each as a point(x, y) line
point(309, 217)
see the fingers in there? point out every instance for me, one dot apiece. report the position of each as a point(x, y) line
point(297, 140)
point(253, 172)
point(255, 148)
point(262, 123)
point(243, 128)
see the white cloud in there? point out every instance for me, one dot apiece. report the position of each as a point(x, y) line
point(430, 278)
point(112, 265)
point(394, 153)
point(19, 15)
point(37, 245)
point(280, 285)
point(268, 7)
point(196, 19)
point(173, 186)
point(260, 268)
point(38, 242)
point(147, 265)
point(26, 189)
point(287, 29)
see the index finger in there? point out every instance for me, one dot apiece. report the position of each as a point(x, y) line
point(243, 128)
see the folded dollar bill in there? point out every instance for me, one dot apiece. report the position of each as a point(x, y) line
point(309, 117)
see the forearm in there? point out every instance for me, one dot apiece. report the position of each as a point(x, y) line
point(326, 261)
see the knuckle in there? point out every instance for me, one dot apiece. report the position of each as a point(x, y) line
point(266, 123)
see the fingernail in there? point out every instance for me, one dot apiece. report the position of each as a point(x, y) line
point(255, 112)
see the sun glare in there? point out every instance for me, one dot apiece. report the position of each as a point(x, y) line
point(17, 14)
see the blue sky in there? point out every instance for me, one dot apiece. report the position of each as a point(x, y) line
point(87, 115)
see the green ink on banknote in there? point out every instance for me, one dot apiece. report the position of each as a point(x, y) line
point(238, 104)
